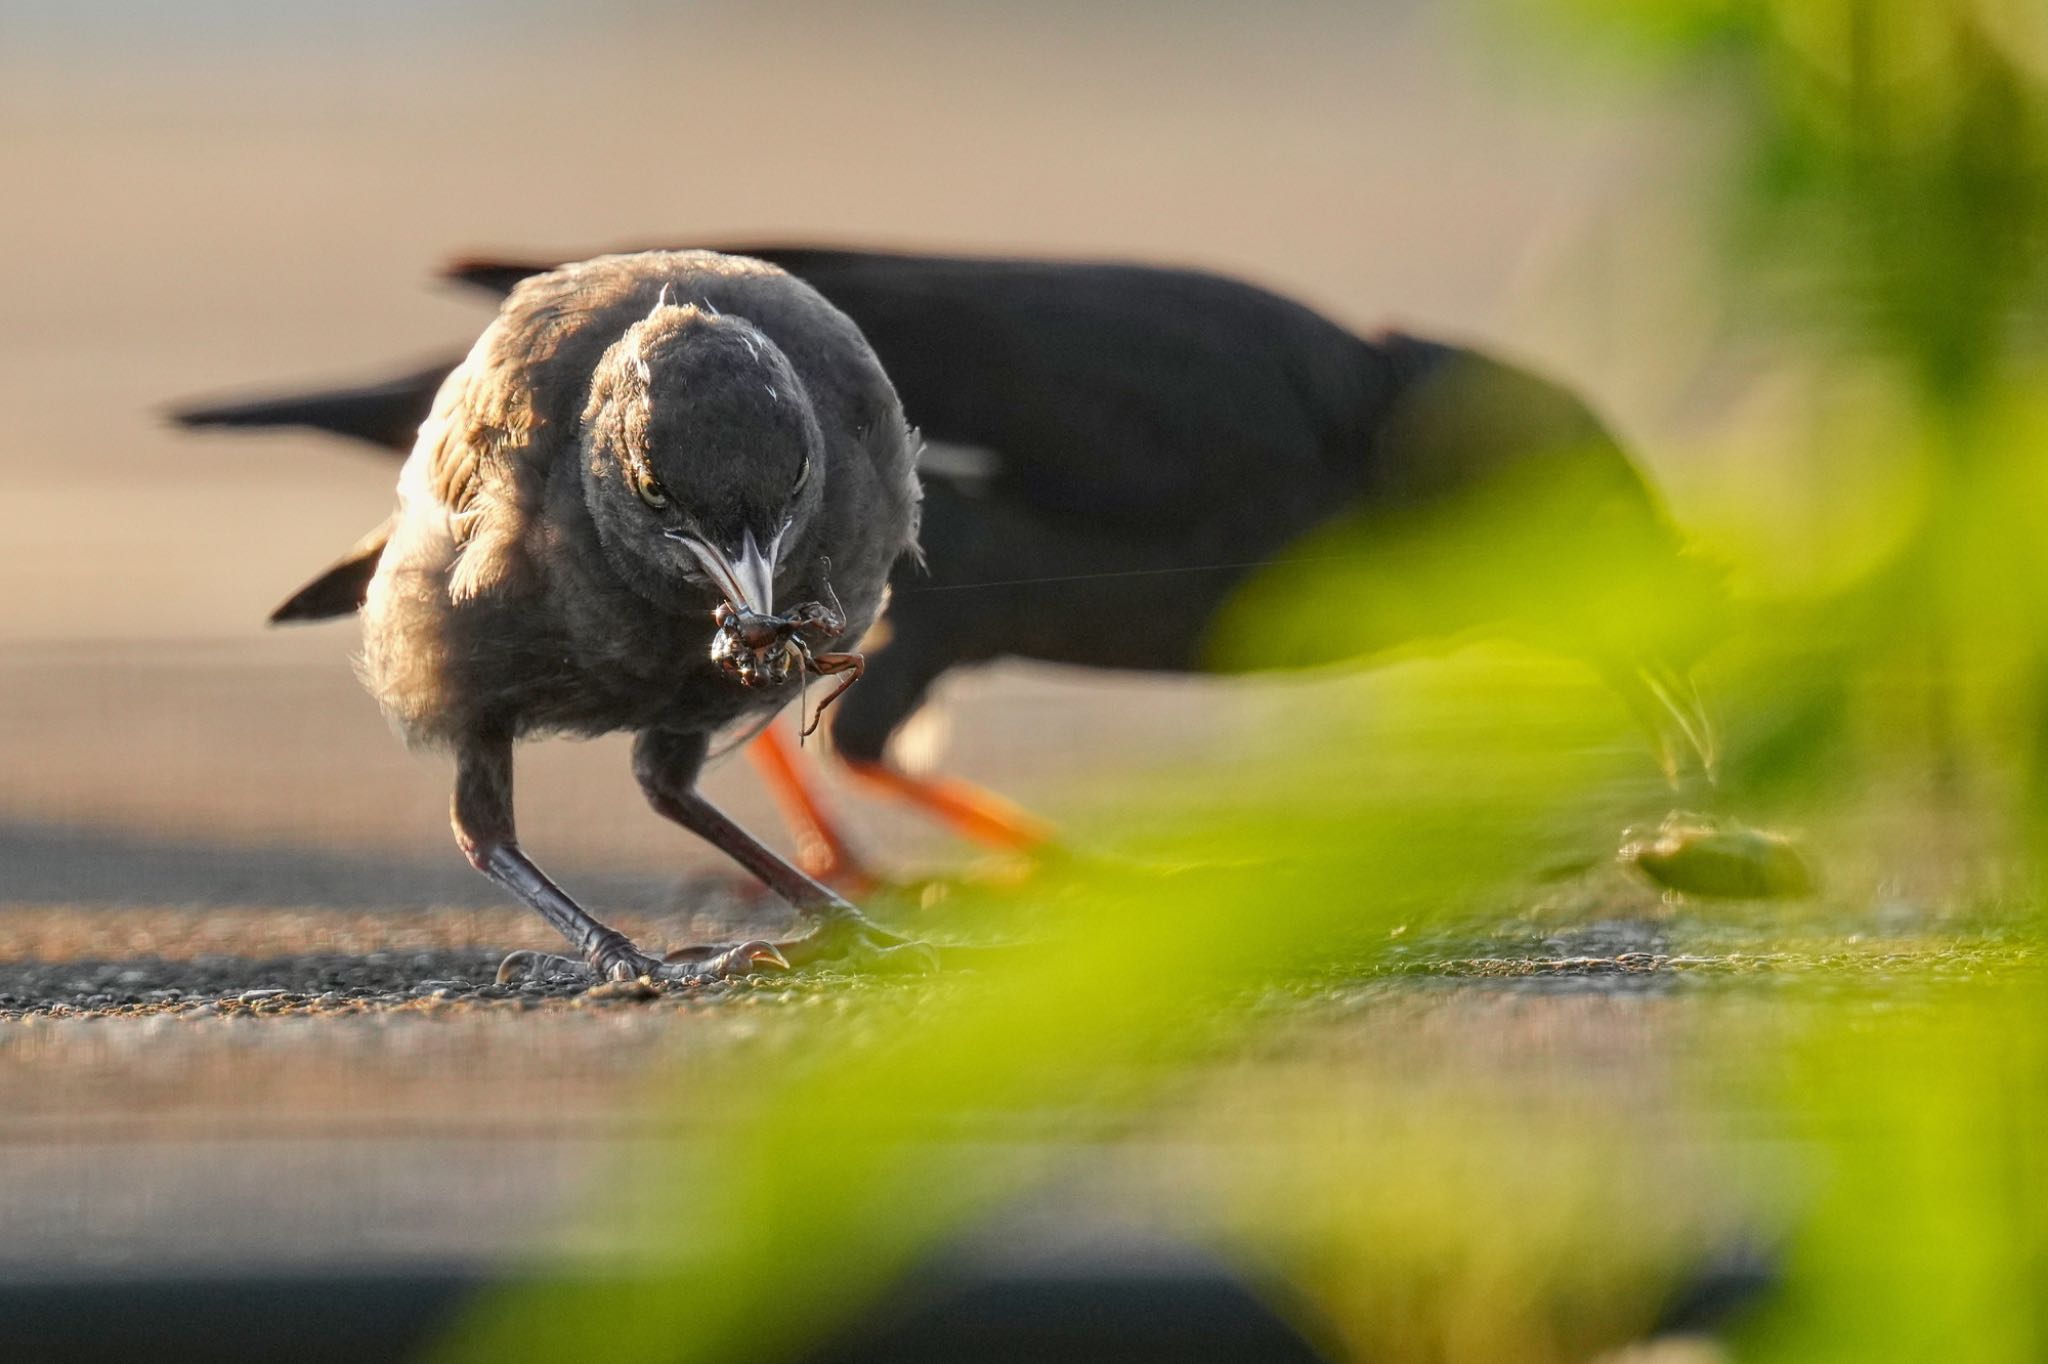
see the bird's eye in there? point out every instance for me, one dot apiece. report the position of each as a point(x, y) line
point(803, 476)
point(650, 490)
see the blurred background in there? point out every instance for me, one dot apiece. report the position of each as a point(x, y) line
point(1376, 1031)
point(222, 196)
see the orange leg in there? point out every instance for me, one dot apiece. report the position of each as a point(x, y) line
point(969, 810)
point(822, 849)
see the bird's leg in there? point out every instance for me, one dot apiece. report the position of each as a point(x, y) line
point(484, 828)
point(823, 851)
point(964, 807)
point(899, 676)
point(667, 765)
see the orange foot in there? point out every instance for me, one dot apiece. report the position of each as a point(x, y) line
point(967, 809)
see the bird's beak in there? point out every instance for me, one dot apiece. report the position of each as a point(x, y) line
point(754, 571)
point(746, 578)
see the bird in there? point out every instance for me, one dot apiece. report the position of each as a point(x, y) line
point(641, 457)
point(1119, 456)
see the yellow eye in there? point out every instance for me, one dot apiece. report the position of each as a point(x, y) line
point(650, 489)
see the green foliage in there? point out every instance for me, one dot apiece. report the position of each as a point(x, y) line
point(1925, 1189)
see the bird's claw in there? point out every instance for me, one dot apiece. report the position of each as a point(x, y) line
point(844, 938)
point(608, 961)
point(697, 963)
point(619, 960)
point(527, 964)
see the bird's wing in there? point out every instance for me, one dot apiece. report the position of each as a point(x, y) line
point(482, 465)
point(505, 420)
point(342, 586)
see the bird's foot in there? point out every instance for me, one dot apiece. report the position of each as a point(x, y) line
point(527, 964)
point(613, 957)
point(711, 960)
point(848, 937)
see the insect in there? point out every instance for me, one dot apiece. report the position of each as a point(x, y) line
point(757, 649)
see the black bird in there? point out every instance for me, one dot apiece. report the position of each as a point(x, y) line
point(638, 449)
point(1113, 450)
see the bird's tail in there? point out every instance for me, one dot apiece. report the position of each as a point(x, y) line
point(498, 274)
point(386, 413)
point(495, 274)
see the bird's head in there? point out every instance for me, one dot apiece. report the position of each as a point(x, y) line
point(703, 461)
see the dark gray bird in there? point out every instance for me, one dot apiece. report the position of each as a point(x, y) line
point(1117, 451)
point(636, 444)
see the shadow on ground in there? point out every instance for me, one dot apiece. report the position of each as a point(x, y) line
point(83, 867)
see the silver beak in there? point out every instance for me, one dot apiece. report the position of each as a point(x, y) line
point(747, 579)
point(755, 573)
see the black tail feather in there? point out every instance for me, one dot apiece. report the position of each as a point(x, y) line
point(497, 274)
point(494, 274)
point(387, 413)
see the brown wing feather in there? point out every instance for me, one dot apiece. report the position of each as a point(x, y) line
point(492, 448)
